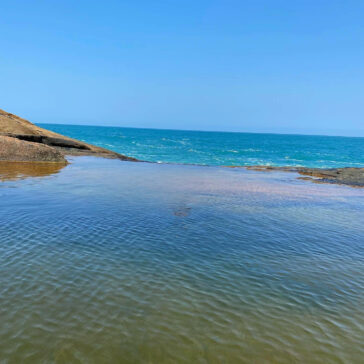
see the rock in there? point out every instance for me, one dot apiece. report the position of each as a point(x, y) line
point(15, 150)
point(346, 176)
point(21, 129)
point(12, 124)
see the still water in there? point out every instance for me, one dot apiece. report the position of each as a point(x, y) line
point(118, 262)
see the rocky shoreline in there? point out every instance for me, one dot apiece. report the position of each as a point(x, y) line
point(353, 177)
point(22, 141)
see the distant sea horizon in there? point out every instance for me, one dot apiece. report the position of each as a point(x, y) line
point(331, 133)
point(220, 148)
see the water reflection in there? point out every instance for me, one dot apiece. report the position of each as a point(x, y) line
point(119, 262)
point(10, 171)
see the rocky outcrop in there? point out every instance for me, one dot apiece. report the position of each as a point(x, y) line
point(14, 150)
point(13, 126)
point(345, 176)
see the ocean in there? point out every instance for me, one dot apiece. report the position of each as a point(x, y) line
point(222, 148)
point(105, 261)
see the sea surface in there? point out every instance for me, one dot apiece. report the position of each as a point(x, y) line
point(106, 261)
point(221, 148)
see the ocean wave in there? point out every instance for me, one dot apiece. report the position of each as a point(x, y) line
point(222, 148)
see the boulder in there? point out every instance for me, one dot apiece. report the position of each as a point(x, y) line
point(15, 150)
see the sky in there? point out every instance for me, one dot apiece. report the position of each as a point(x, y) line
point(292, 66)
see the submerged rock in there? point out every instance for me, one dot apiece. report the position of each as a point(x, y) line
point(345, 176)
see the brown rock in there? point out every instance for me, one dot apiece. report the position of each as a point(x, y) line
point(345, 176)
point(15, 150)
point(19, 128)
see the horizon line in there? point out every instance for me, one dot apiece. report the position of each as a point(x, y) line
point(207, 131)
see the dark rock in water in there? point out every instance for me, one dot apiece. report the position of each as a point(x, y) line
point(20, 129)
point(346, 176)
point(14, 150)
point(182, 211)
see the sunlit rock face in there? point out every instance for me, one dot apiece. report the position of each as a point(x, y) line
point(15, 150)
point(23, 130)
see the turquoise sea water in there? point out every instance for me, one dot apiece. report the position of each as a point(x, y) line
point(106, 261)
point(219, 148)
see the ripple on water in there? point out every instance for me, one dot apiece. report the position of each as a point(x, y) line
point(120, 262)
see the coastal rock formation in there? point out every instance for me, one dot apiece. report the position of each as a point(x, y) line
point(345, 176)
point(21, 130)
point(22, 141)
point(14, 150)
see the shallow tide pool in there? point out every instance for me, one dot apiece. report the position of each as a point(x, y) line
point(118, 262)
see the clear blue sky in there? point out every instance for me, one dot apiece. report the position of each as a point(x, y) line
point(269, 66)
